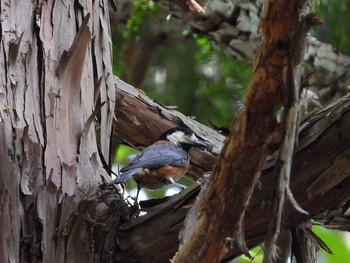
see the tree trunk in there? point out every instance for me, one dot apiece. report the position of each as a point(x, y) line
point(52, 56)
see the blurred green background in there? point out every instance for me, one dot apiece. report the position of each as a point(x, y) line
point(177, 67)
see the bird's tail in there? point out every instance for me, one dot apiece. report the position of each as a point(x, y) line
point(125, 176)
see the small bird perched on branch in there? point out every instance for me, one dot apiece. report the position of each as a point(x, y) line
point(163, 162)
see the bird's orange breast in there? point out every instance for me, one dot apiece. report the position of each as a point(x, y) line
point(157, 178)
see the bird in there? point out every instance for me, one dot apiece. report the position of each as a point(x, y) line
point(162, 162)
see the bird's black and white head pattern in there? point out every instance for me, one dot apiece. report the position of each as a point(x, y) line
point(183, 137)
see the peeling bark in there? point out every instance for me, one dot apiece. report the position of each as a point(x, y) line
point(49, 156)
point(51, 55)
point(254, 134)
point(324, 129)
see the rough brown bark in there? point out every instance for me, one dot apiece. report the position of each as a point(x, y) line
point(49, 157)
point(254, 134)
point(312, 166)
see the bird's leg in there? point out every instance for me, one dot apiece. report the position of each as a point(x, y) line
point(171, 181)
point(137, 195)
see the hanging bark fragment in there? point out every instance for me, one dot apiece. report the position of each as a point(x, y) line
point(291, 90)
point(254, 134)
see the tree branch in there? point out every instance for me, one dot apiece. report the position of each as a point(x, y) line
point(313, 169)
point(251, 140)
point(140, 121)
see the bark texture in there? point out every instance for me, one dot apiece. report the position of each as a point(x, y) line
point(52, 53)
point(254, 134)
point(313, 168)
point(55, 75)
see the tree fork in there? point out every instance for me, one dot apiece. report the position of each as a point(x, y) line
point(324, 129)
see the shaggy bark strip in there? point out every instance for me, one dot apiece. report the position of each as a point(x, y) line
point(326, 178)
point(254, 134)
point(291, 105)
point(49, 65)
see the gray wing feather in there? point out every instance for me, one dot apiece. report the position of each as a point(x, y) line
point(157, 156)
point(154, 156)
point(125, 176)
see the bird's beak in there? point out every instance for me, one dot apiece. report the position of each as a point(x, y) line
point(201, 144)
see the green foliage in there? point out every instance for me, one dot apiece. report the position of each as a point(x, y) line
point(336, 242)
point(143, 10)
point(336, 28)
point(118, 64)
point(257, 254)
point(124, 153)
point(201, 80)
point(141, 16)
point(221, 93)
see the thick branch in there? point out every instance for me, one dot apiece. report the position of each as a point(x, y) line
point(141, 121)
point(314, 169)
point(250, 141)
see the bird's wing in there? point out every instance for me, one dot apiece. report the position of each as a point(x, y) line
point(158, 155)
point(125, 176)
point(154, 156)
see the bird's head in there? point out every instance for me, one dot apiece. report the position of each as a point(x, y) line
point(184, 137)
